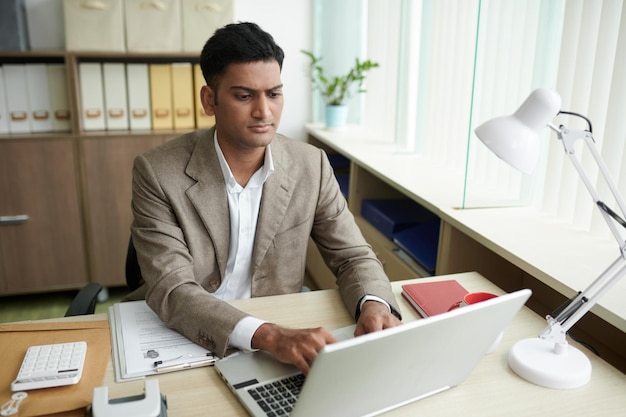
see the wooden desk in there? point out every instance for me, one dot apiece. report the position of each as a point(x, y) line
point(491, 390)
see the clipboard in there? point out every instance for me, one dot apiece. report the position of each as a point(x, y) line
point(143, 345)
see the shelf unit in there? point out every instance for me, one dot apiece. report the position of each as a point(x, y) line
point(65, 208)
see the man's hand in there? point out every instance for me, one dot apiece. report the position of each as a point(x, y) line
point(294, 346)
point(374, 316)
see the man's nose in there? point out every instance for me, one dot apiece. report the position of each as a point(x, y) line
point(261, 107)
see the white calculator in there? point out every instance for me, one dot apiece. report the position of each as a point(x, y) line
point(51, 365)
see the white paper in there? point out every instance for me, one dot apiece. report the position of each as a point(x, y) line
point(141, 340)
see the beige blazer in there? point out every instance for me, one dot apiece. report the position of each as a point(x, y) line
point(181, 233)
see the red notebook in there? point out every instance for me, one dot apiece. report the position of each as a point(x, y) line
point(430, 298)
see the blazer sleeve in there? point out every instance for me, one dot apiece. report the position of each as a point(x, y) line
point(344, 249)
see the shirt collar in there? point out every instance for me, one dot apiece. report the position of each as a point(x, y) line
point(256, 181)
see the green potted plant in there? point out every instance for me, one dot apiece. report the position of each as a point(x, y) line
point(336, 90)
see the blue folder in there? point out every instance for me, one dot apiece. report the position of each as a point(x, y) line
point(344, 183)
point(421, 242)
point(393, 215)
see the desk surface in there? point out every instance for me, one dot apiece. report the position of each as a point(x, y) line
point(491, 390)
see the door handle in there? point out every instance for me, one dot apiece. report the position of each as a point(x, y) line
point(17, 219)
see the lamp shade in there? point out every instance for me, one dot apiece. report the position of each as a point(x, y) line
point(515, 138)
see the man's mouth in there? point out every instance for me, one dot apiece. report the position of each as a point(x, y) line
point(261, 128)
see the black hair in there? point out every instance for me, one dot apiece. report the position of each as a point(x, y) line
point(237, 43)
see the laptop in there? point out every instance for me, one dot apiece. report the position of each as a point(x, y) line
point(377, 372)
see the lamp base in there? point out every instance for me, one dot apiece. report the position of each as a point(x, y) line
point(549, 364)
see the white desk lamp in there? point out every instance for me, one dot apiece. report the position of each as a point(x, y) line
point(549, 360)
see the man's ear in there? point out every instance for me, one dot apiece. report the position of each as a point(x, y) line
point(207, 98)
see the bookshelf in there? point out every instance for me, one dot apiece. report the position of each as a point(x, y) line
point(70, 189)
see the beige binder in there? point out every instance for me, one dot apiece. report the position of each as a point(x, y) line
point(91, 95)
point(94, 25)
point(153, 26)
point(202, 119)
point(182, 95)
point(4, 116)
point(59, 99)
point(201, 18)
point(138, 86)
point(115, 98)
point(17, 98)
point(161, 96)
point(38, 97)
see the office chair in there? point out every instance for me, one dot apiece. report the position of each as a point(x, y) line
point(133, 273)
point(85, 301)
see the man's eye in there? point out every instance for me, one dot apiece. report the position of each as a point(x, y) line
point(243, 96)
point(275, 94)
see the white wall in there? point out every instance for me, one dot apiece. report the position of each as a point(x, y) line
point(290, 22)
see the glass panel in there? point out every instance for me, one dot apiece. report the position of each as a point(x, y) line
point(517, 50)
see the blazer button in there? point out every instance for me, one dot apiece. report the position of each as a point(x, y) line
point(214, 284)
point(205, 340)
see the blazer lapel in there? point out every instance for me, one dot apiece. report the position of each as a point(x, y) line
point(277, 192)
point(208, 195)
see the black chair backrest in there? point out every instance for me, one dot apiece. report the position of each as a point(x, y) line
point(85, 301)
point(133, 273)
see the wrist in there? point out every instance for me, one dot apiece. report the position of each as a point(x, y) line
point(264, 337)
point(375, 304)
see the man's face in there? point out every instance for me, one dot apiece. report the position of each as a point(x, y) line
point(249, 104)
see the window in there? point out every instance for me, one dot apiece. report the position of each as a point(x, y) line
point(449, 65)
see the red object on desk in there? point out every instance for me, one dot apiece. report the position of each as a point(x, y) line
point(430, 298)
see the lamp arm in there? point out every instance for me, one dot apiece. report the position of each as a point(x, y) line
point(584, 301)
point(568, 138)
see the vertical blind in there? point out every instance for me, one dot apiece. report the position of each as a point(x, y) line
point(590, 79)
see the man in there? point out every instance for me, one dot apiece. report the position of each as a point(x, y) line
point(226, 213)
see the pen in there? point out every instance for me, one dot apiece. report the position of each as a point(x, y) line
point(187, 365)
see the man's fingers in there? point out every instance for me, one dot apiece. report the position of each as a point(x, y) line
point(295, 346)
point(375, 316)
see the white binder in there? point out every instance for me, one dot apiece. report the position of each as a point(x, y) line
point(59, 98)
point(201, 18)
point(138, 85)
point(153, 26)
point(17, 98)
point(115, 96)
point(38, 97)
point(4, 116)
point(91, 95)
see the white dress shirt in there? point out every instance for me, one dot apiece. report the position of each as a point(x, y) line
point(243, 205)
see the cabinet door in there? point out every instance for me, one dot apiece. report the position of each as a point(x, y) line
point(107, 176)
point(41, 235)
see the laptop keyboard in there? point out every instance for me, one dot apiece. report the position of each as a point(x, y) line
point(277, 398)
